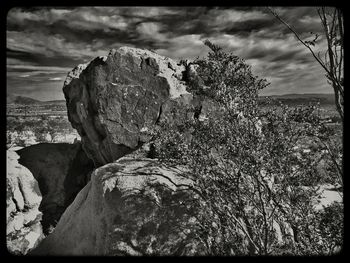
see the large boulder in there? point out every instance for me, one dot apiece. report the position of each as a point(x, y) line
point(112, 101)
point(23, 198)
point(61, 170)
point(130, 207)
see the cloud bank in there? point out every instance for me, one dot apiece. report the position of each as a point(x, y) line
point(43, 44)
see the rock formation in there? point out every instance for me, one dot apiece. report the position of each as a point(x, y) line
point(130, 207)
point(23, 199)
point(61, 170)
point(113, 100)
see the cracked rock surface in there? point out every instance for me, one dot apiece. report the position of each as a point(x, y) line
point(112, 99)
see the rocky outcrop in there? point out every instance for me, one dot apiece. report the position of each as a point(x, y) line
point(112, 101)
point(61, 170)
point(130, 207)
point(23, 198)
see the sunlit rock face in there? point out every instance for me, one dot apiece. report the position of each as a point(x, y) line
point(23, 197)
point(130, 207)
point(61, 170)
point(112, 100)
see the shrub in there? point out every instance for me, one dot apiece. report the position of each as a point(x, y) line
point(258, 187)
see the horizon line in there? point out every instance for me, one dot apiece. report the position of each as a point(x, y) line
point(284, 94)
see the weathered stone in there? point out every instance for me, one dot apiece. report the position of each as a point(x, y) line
point(130, 207)
point(112, 99)
point(61, 170)
point(23, 231)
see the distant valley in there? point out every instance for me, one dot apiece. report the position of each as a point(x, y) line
point(301, 99)
point(22, 100)
point(290, 99)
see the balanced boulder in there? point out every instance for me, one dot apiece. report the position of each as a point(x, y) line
point(114, 100)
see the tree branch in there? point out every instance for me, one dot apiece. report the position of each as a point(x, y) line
point(331, 68)
point(300, 40)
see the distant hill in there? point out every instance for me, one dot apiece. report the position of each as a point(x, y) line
point(14, 99)
point(300, 99)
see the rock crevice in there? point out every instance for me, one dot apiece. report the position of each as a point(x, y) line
point(61, 170)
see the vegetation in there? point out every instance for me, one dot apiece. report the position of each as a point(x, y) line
point(41, 128)
point(256, 171)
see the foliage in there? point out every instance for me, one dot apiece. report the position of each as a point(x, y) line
point(41, 126)
point(258, 185)
point(330, 227)
point(226, 79)
point(13, 140)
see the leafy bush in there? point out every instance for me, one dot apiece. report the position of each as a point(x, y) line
point(330, 227)
point(258, 186)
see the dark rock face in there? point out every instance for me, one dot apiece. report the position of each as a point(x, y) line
point(61, 170)
point(23, 197)
point(130, 207)
point(112, 100)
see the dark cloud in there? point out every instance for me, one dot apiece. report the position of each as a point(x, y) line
point(41, 59)
point(43, 43)
point(285, 56)
point(245, 28)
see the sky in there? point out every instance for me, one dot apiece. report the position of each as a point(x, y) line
point(44, 44)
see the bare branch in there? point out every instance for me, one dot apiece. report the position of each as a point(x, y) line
point(300, 40)
point(333, 61)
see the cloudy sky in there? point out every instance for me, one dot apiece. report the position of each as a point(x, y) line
point(43, 44)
